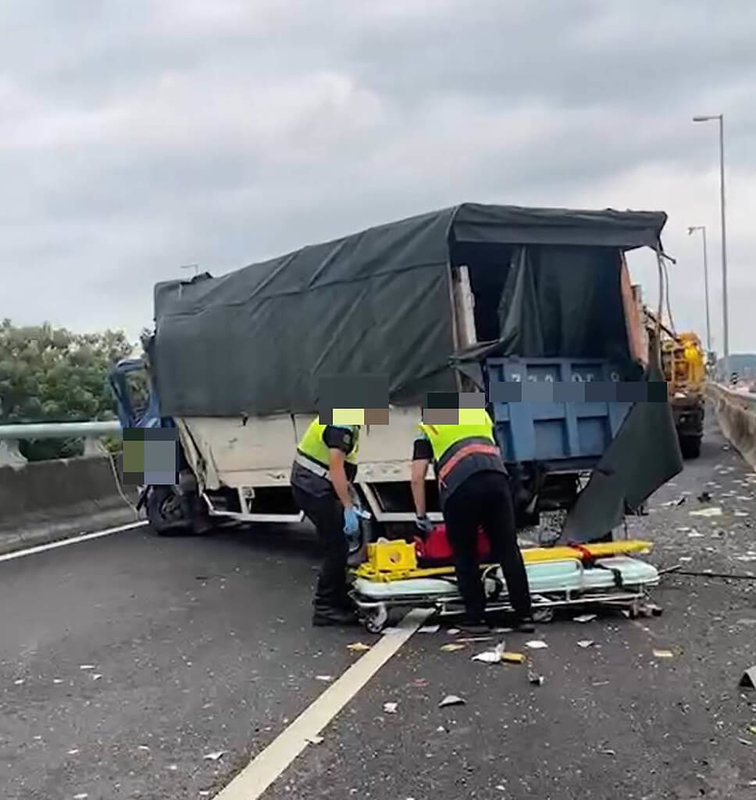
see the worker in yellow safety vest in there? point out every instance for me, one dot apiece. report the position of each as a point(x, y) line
point(474, 492)
point(324, 466)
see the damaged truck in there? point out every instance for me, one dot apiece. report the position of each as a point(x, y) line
point(474, 297)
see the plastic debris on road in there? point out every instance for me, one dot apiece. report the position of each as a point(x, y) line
point(451, 700)
point(695, 535)
point(535, 680)
point(315, 740)
point(712, 511)
point(664, 654)
point(390, 708)
point(215, 756)
point(324, 678)
point(585, 618)
point(490, 656)
point(429, 629)
point(451, 647)
point(536, 644)
point(586, 643)
point(358, 647)
point(86, 666)
point(607, 751)
point(748, 681)
point(513, 658)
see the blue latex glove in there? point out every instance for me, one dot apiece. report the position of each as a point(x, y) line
point(423, 524)
point(351, 521)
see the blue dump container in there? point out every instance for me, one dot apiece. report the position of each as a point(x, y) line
point(562, 412)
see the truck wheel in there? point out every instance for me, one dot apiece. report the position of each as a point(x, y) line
point(690, 446)
point(164, 512)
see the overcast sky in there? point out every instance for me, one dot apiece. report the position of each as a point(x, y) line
point(138, 136)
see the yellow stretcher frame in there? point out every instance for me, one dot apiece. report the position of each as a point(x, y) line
point(530, 555)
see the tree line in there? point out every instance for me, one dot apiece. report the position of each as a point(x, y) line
point(51, 374)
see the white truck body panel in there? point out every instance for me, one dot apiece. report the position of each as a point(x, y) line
point(260, 451)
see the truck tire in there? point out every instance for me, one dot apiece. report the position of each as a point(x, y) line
point(164, 512)
point(690, 446)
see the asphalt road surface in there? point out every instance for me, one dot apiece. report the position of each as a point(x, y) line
point(140, 667)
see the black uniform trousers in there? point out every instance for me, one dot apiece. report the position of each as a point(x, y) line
point(327, 515)
point(484, 499)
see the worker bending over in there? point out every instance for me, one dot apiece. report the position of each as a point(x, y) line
point(474, 492)
point(324, 467)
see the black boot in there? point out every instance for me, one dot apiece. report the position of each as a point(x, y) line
point(523, 624)
point(331, 615)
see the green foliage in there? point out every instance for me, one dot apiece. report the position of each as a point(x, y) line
point(53, 375)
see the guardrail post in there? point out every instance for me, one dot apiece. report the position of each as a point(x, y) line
point(94, 447)
point(10, 455)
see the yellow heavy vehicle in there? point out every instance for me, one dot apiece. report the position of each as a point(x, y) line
point(684, 365)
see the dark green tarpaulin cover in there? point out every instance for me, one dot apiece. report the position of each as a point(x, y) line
point(256, 340)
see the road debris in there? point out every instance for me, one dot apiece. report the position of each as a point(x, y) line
point(535, 680)
point(81, 796)
point(742, 514)
point(73, 751)
point(358, 647)
point(142, 747)
point(586, 643)
point(390, 708)
point(451, 700)
point(215, 756)
point(315, 740)
point(585, 618)
point(607, 751)
point(86, 666)
point(712, 511)
point(664, 654)
point(513, 658)
point(704, 497)
point(429, 629)
point(324, 678)
point(473, 639)
point(490, 656)
point(536, 644)
point(451, 647)
point(695, 535)
point(748, 680)
point(19, 682)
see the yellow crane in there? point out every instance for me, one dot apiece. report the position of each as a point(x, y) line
point(684, 365)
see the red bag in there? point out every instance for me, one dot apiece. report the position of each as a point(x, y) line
point(436, 547)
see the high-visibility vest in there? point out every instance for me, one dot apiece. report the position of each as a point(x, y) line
point(464, 448)
point(315, 451)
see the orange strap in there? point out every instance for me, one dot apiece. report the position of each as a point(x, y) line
point(463, 452)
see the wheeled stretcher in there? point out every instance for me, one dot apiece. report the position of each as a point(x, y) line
point(603, 574)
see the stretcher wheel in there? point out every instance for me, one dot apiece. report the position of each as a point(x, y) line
point(376, 620)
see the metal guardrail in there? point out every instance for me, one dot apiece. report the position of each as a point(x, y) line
point(91, 432)
point(745, 397)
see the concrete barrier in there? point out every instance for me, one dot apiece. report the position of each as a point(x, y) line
point(736, 414)
point(46, 500)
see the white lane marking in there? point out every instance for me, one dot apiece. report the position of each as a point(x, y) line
point(268, 765)
point(40, 548)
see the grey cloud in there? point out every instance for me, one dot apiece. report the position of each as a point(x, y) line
point(142, 136)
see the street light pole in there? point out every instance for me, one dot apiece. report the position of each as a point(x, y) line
point(725, 316)
point(692, 230)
